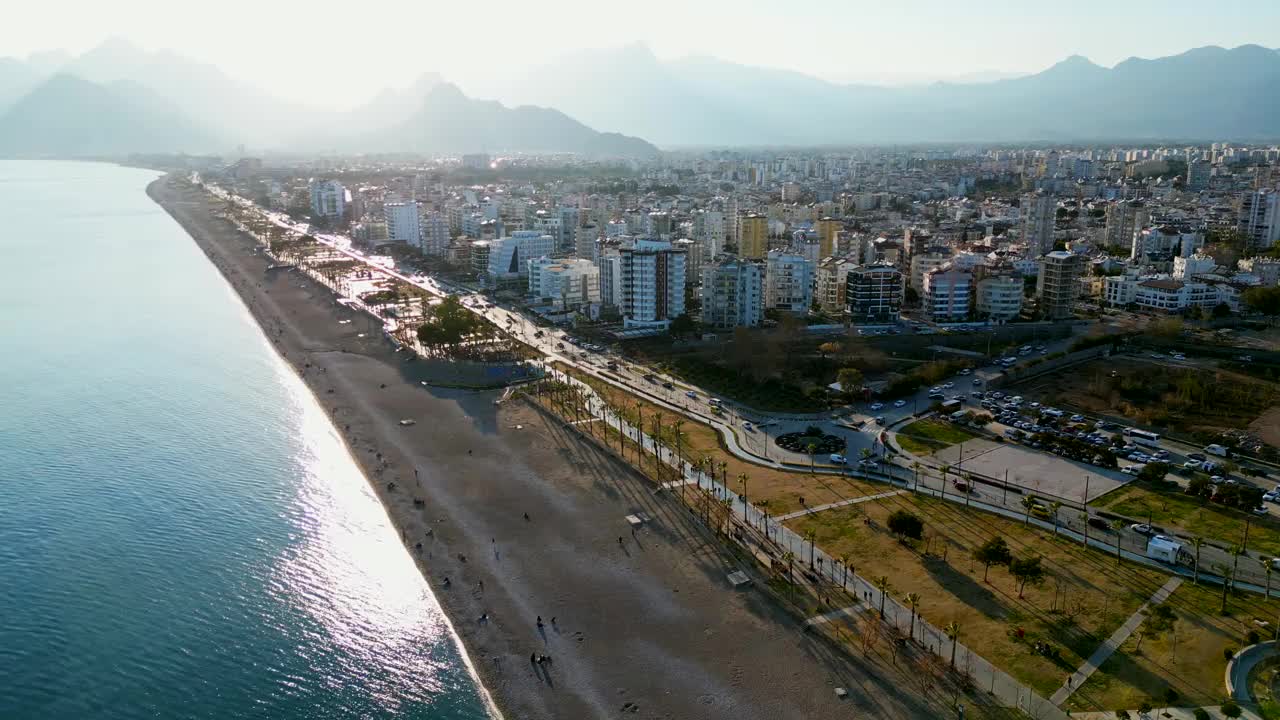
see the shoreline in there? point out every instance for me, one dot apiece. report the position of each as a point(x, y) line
point(647, 624)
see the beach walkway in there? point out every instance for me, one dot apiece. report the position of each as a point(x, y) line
point(840, 503)
point(1111, 644)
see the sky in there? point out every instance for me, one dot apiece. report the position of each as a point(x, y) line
point(339, 53)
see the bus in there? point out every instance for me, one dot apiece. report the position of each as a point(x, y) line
point(1142, 437)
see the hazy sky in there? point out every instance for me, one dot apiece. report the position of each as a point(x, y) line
point(338, 53)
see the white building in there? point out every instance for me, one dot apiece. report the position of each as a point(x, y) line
point(328, 199)
point(403, 223)
point(733, 294)
point(1185, 268)
point(829, 283)
point(999, 295)
point(433, 228)
point(1161, 243)
point(565, 284)
point(1058, 284)
point(1259, 218)
point(508, 256)
point(948, 294)
point(652, 279)
point(1123, 220)
point(925, 262)
point(788, 282)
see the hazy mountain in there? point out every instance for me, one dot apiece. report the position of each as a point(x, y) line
point(68, 116)
point(1207, 93)
point(17, 78)
point(392, 106)
point(449, 122)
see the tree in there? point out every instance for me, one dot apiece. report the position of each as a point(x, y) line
point(1026, 571)
point(913, 601)
point(1169, 696)
point(830, 348)
point(953, 634)
point(1229, 708)
point(906, 525)
point(850, 379)
point(1054, 507)
point(1159, 620)
point(1197, 543)
point(1117, 525)
point(1145, 708)
point(993, 552)
point(1028, 502)
point(1227, 575)
point(1267, 567)
point(1200, 714)
point(682, 325)
point(1221, 310)
point(882, 584)
point(1265, 300)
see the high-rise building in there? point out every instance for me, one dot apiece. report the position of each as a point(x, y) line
point(433, 229)
point(999, 293)
point(926, 261)
point(948, 294)
point(733, 294)
point(507, 258)
point(829, 284)
point(652, 278)
point(1058, 284)
point(403, 222)
point(1259, 219)
point(1039, 213)
point(693, 260)
point(566, 284)
point(873, 293)
point(788, 282)
point(753, 240)
point(1123, 220)
point(328, 199)
point(828, 228)
point(1198, 174)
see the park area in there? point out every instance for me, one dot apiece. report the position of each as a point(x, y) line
point(1192, 399)
point(924, 437)
point(1193, 516)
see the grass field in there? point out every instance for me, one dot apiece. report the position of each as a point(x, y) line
point(1189, 658)
point(1188, 514)
point(927, 436)
point(1085, 596)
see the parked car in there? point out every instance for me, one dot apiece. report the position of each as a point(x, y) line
point(899, 403)
point(839, 459)
point(877, 405)
point(1142, 529)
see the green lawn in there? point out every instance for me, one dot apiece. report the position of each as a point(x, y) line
point(923, 437)
point(1193, 516)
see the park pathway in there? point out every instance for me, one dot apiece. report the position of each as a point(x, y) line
point(839, 503)
point(1111, 644)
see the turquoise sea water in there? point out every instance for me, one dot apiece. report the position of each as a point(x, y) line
point(182, 534)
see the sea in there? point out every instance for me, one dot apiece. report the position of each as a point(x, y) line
point(182, 532)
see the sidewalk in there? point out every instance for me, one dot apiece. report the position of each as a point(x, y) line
point(1111, 644)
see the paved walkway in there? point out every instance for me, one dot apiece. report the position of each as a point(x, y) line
point(1185, 713)
point(834, 615)
point(1110, 645)
point(1241, 665)
point(841, 503)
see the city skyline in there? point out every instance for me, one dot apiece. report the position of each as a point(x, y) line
point(846, 42)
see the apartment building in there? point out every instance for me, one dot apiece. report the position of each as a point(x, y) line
point(788, 282)
point(873, 293)
point(733, 294)
point(652, 283)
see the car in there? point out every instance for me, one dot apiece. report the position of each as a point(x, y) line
point(965, 371)
point(1034, 405)
point(1270, 496)
point(1142, 529)
point(1260, 510)
point(899, 403)
point(1178, 356)
point(877, 405)
point(746, 425)
point(1016, 399)
point(879, 419)
point(1197, 456)
point(1099, 523)
point(948, 385)
point(977, 381)
point(1077, 418)
point(935, 389)
point(691, 394)
point(1160, 454)
point(997, 395)
point(839, 459)
point(936, 395)
point(1130, 470)
point(868, 463)
point(1191, 465)
point(668, 385)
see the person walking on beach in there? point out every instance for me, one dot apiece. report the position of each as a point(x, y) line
point(539, 622)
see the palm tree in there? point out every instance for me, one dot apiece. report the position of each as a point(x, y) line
point(1227, 576)
point(1266, 570)
point(811, 536)
point(1236, 551)
point(913, 600)
point(953, 634)
point(915, 468)
point(1118, 526)
point(789, 558)
point(1055, 506)
point(679, 457)
point(1197, 543)
point(882, 584)
point(945, 469)
point(742, 478)
point(1028, 502)
point(844, 561)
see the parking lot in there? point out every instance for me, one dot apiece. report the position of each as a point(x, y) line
point(1042, 472)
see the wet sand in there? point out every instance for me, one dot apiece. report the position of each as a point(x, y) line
point(648, 628)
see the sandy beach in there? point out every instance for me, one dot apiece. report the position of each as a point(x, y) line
point(648, 627)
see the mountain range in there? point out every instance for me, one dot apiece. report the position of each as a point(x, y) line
point(1208, 93)
point(116, 99)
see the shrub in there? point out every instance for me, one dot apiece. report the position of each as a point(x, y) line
point(1200, 714)
point(906, 525)
point(1230, 708)
point(1252, 638)
point(1228, 653)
